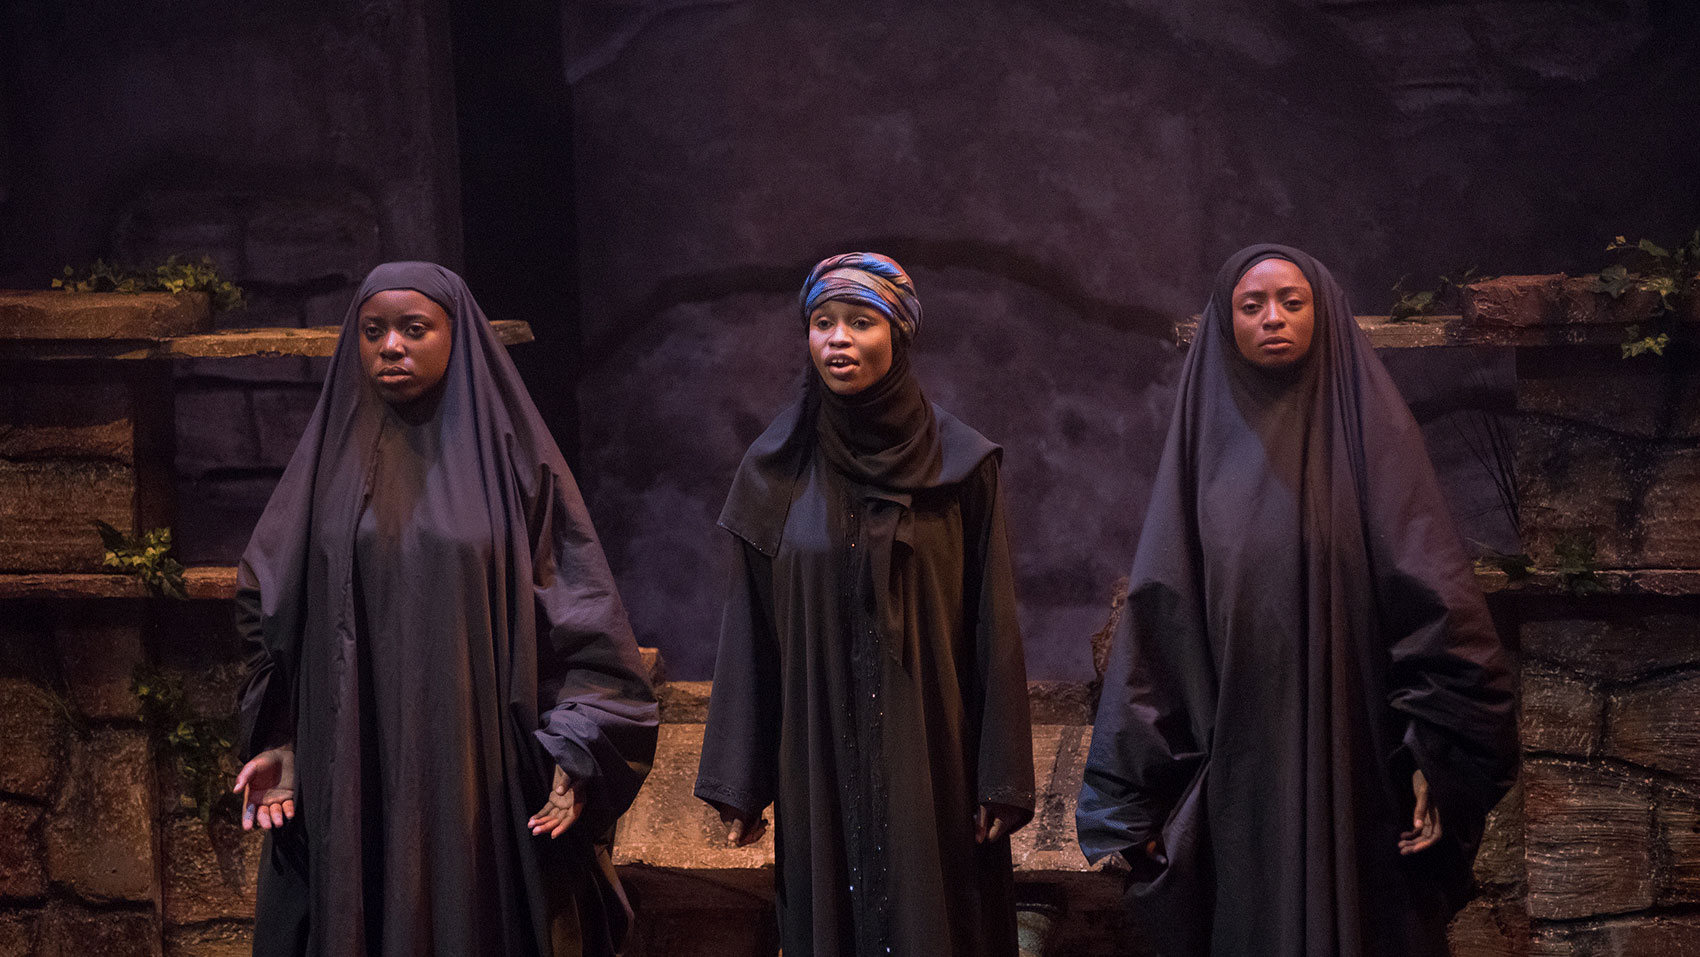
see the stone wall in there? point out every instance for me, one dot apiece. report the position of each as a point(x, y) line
point(97, 852)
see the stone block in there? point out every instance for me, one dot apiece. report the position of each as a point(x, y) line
point(1499, 861)
point(100, 838)
point(1653, 935)
point(32, 725)
point(1598, 389)
point(301, 240)
point(329, 308)
point(1561, 712)
point(1554, 299)
point(23, 873)
point(99, 648)
point(46, 508)
point(1589, 840)
point(1679, 848)
point(69, 930)
point(43, 415)
point(280, 419)
point(216, 429)
point(1489, 928)
point(56, 314)
point(210, 870)
point(1656, 724)
point(229, 939)
point(18, 928)
point(1632, 496)
point(186, 223)
point(1619, 643)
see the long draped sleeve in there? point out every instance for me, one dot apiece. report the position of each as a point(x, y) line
point(597, 716)
point(1153, 737)
point(1005, 748)
point(265, 702)
point(740, 749)
point(1448, 674)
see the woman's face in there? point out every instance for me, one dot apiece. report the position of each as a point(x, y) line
point(405, 339)
point(1274, 315)
point(850, 344)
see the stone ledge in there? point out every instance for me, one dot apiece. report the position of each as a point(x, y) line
point(53, 314)
point(204, 583)
point(272, 342)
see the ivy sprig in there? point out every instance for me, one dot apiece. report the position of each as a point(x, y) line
point(145, 557)
point(172, 275)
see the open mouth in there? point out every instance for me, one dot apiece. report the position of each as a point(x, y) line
point(841, 362)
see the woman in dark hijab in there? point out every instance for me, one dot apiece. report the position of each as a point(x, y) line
point(1307, 713)
point(445, 710)
point(870, 682)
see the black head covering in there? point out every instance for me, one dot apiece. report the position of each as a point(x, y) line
point(543, 669)
point(1302, 628)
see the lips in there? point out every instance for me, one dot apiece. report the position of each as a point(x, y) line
point(393, 372)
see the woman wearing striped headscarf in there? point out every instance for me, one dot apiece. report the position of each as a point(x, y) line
point(870, 682)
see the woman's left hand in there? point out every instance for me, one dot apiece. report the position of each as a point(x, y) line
point(566, 803)
point(1425, 820)
point(995, 820)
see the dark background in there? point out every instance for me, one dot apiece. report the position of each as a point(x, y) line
point(647, 183)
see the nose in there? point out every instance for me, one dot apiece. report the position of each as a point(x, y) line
point(1272, 317)
point(839, 335)
point(390, 347)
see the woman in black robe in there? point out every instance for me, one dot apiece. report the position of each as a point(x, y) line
point(1307, 713)
point(445, 709)
point(870, 681)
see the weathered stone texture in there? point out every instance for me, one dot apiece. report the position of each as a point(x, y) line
point(233, 939)
point(1553, 299)
point(1561, 712)
point(1618, 644)
point(18, 931)
point(100, 647)
point(68, 930)
point(44, 416)
point(277, 239)
point(1679, 845)
point(1657, 725)
point(22, 871)
point(210, 870)
point(1489, 928)
point(33, 731)
point(100, 836)
point(1499, 861)
point(1654, 935)
point(1590, 842)
point(1629, 495)
point(56, 314)
point(46, 507)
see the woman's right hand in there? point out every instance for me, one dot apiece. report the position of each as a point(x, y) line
point(267, 785)
point(740, 831)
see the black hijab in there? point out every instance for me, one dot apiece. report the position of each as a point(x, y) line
point(545, 670)
point(1300, 604)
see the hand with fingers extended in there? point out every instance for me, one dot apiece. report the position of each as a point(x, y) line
point(565, 804)
point(267, 786)
point(994, 820)
point(741, 830)
point(1425, 820)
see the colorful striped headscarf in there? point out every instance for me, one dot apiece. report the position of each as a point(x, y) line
point(870, 279)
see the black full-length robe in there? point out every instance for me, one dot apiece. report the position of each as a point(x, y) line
point(434, 628)
point(1302, 631)
point(870, 684)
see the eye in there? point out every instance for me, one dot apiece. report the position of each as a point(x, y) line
point(822, 323)
point(416, 330)
point(371, 331)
